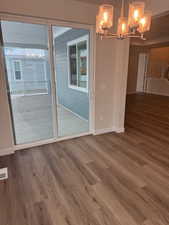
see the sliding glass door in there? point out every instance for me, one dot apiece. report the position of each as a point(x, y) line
point(47, 71)
point(26, 55)
point(71, 56)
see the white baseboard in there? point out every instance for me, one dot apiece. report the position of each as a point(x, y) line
point(157, 93)
point(49, 141)
point(120, 130)
point(131, 93)
point(10, 151)
point(109, 130)
point(104, 131)
point(7, 151)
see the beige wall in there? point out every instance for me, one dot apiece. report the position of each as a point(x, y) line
point(105, 66)
point(157, 6)
point(120, 83)
point(69, 10)
point(158, 86)
point(157, 82)
point(158, 61)
point(111, 62)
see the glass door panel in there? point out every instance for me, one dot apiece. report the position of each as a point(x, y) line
point(29, 80)
point(71, 54)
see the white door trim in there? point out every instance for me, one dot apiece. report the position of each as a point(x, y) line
point(53, 82)
point(92, 50)
point(141, 72)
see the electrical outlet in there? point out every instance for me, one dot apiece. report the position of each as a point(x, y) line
point(3, 173)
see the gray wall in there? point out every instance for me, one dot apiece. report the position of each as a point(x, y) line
point(18, 34)
point(35, 75)
point(74, 100)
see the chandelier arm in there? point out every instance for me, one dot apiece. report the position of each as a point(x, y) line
point(130, 34)
point(114, 35)
point(108, 35)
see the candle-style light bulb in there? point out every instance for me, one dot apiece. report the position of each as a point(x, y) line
point(145, 22)
point(136, 12)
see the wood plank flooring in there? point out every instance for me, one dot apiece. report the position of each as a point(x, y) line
point(110, 179)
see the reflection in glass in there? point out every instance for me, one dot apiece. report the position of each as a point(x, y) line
point(73, 65)
point(29, 80)
point(82, 64)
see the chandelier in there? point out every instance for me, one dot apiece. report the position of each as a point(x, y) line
point(137, 23)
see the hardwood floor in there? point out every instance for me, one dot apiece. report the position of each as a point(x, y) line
point(110, 179)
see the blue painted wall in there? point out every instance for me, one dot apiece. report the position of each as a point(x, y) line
point(74, 100)
point(35, 75)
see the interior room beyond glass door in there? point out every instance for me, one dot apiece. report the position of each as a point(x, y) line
point(71, 55)
point(29, 80)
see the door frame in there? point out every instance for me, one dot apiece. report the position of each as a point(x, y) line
point(142, 58)
point(91, 82)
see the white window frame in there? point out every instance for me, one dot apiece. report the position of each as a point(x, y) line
point(45, 68)
point(20, 62)
point(75, 42)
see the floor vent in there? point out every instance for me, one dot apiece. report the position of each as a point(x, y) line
point(3, 173)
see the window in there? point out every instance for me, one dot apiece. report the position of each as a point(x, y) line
point(17, 70)
point(78, 63)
